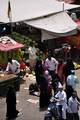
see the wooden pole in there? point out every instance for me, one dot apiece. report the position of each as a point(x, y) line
point(10, 15)
point(63, 6)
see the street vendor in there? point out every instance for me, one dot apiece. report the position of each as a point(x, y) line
point(13, 66)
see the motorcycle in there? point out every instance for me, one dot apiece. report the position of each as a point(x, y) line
point(53, 111)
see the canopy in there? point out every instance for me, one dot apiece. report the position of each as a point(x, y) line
point(58, 24)
point(67, 1)
point(29, 9)
point(7, 44)
point(45, 35)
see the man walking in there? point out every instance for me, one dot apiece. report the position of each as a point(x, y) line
point(73, 107)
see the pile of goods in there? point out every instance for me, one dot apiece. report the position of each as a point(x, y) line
point(77, 66)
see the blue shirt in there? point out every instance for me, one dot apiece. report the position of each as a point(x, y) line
point(72, 80)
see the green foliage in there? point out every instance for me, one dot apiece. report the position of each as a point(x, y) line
point(15, 54)
point(22, 39)
point(18, 53)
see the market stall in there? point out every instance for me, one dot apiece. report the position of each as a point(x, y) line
point(7, 80)
point(7, 47)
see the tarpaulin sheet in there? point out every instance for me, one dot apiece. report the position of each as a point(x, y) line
point(29, 9)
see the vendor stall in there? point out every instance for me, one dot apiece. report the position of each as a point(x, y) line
point(8, 48)
point(6, 80)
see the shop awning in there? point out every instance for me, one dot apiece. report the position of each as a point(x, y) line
point(59, 24)
point(21, 10)
point(7, 44)
point(45, 35)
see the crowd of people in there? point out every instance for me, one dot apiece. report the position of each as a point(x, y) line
point(56, 78)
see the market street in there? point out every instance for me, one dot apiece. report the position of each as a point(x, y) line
point(28, 104)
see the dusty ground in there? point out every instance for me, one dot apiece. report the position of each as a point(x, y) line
point(30, 110)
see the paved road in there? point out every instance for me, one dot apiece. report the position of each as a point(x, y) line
point(30, 110)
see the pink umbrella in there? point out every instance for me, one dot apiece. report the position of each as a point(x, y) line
point(7, 44)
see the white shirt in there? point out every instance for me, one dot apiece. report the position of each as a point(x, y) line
point(51, 64)
point(32, 52)
point(14, 67)
point(72, 105)
point(61, 95)
point(72, 80)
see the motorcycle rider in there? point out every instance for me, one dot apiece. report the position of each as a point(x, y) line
point(61, 102)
